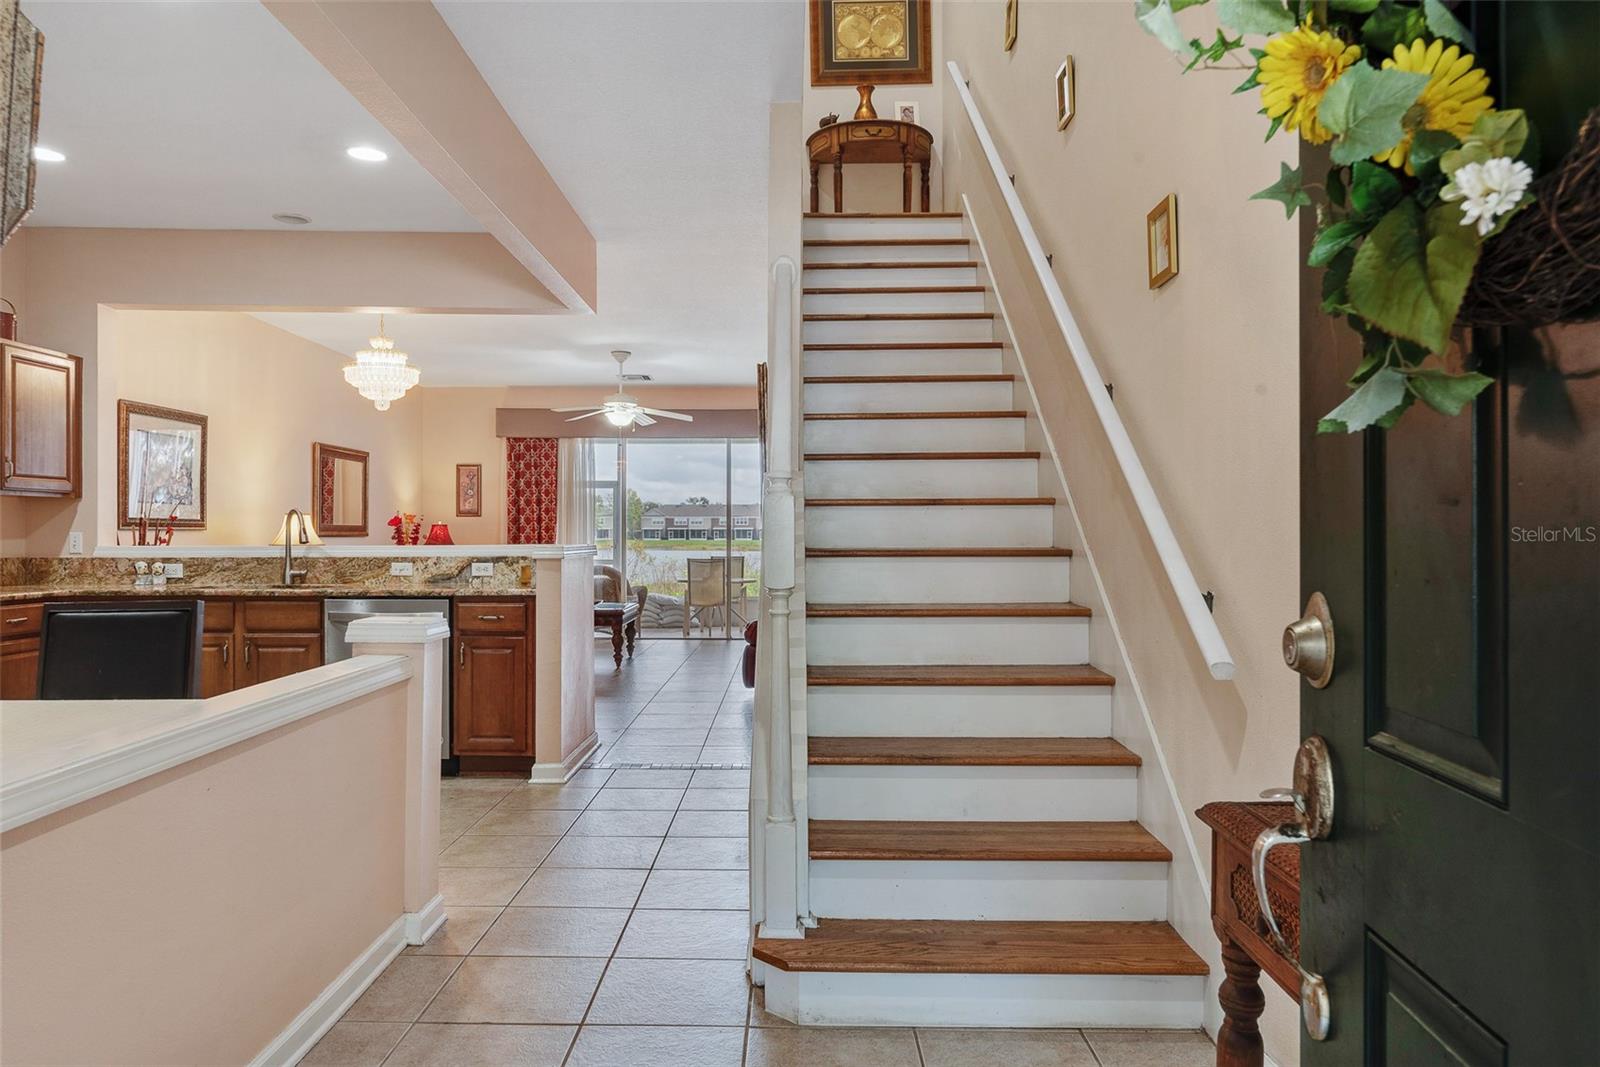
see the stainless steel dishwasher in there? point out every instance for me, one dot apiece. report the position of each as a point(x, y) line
point(337, 615)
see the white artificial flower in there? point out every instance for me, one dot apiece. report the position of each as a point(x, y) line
point(1488, 190)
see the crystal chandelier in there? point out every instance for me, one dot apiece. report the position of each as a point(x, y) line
point(380, 373)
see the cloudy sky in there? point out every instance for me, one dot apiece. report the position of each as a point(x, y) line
point(668, 472)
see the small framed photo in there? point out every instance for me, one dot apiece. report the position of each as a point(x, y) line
point(906, 111)
point(1066, 105)
point(161, 466)
point(1010, 40)
point(469, 489)
point(1161, 234)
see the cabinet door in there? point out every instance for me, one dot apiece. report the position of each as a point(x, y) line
point(19, 668)
point(216, 664)
point(268, 656)
point(41, 414)
point(492, 712)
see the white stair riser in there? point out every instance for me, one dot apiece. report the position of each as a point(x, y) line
point(947, 711)
point(901, 478)
point(938, 580)
point(877, 330)
point(992, 891)
point(904, 361)
point(929, 527)
point(1008, 794)
point(1042, 1000)
point(848, 303)
point(842, 227)
point(882, 277)
point(947, 641)
point(913, 435)
point(908, 396)
point(857, 253)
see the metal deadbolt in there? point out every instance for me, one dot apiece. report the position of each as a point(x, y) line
point(1308, 643)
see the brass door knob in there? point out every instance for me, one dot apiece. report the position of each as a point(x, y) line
point(1308, 643)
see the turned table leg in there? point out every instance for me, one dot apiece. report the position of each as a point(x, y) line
point(905, 199)
point(631, 630)
point(616, 641)
point(815, 200)
point(925, 207)
point(1239, 1038)
point(838, 184)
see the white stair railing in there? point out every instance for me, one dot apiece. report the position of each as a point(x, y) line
point(779, 845)
point(1195, 610)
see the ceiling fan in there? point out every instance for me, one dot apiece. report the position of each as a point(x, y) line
point(620, 409)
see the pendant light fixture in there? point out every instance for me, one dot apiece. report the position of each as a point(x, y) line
point(380, 372)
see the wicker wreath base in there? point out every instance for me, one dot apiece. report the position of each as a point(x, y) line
point(1544, 267)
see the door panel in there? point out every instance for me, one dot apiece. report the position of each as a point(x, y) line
point(19, 668)
point(41, 413)
point(491, 708)
point(269, 656)
point(216, 664)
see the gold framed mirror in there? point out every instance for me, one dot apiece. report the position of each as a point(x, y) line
point(339, 490)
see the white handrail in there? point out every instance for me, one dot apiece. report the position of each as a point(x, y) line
point(1206, 634)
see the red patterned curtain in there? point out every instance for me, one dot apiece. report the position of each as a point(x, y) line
point(531, 490)
point(325, 492)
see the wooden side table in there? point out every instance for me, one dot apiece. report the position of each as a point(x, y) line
point(870, 141)
point(1236, 916)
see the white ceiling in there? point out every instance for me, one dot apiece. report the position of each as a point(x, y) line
point(210, 116)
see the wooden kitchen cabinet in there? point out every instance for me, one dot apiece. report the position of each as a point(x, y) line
point(19, 650)
point(492, 705)
point(41, 422)
point(275, 638)
point(216, 664)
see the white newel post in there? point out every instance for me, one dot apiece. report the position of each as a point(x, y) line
point(778, 574)
point(421, 639)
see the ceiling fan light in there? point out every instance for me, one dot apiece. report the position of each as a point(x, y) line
point(619, 416)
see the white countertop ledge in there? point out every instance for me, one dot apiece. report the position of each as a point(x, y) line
point(56, 753)
point(326, 551)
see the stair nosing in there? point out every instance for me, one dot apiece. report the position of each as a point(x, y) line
point(915, 676)
point(891, 290)
point(932, 502)
point(882, 242)
point(1043, 609)
point(874, 264)
point(898, 316)
point(1026, 752)
point(898, 833)
point(939, 553)
point(909, 215)
point(895, 346)
point(903, 379)
point(867, 457)
point(867, 416)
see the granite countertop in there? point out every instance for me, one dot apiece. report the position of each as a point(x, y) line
point(19, 593)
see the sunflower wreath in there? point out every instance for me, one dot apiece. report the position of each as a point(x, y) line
point(1426, 173)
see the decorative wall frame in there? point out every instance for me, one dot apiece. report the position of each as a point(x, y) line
point(334, 470)
point(469, 490)
point(1066, 94)
point(1009, 40)
point(161, 466)
point(22, 45)
point(1161, 241)
point(906, 111)
point(885, 42)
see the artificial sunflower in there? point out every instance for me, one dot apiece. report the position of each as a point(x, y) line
point(1296, 71)
point(1452, 100)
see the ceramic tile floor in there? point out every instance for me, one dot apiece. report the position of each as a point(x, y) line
point(602, 923)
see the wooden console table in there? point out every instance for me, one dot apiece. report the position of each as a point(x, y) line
point(1236, 915)
point(870, 141)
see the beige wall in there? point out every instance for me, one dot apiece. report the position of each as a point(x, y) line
point(268, 395)
point(189, 917)
point(1205, 371)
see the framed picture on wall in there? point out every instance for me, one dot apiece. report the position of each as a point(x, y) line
point(469, 489)
point(1066, 99)
point(161, 466)
point(1161, 238)
point(885, 42)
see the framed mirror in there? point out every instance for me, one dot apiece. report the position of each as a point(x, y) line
point(339, 490)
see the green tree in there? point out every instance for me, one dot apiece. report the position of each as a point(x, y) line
point(701, 500)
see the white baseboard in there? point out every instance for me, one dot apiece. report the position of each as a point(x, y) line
point(556, 773)
point(423, 924)
point(320, 1015)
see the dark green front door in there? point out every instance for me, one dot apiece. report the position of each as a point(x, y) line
point(1455, 909)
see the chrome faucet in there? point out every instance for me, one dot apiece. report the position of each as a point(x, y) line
point(294, 529)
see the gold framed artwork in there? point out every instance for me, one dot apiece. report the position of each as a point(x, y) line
point(161, 466)
point(1161, 241)
point(1066, 102)
point(885, 42)
point(1010, 40)
point(469, 489)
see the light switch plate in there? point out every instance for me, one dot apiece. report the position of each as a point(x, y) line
point(482, 570)
point(75, 543)
point(173, 569)
point(402, 570)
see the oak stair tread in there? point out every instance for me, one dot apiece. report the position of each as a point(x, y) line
point(935, 946)
point(883, 215)
point(887, 290)
point(937, 553)
point(896, 346)
point(969, 752)
point(1028, 610)
point(812, 457)
point(893, 264)
point(852, 416)
point(930, 501)
point(895, 316)
point(902, 379)
point(1100, 842)
point(962, 674)
point(879, 242)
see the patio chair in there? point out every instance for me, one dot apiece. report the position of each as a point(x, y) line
point(706, 593)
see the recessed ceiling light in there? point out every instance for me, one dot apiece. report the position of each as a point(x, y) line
point(289, 218)
point(366, 153)
point(47, 155)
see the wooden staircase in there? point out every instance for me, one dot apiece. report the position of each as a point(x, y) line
point(976, 855)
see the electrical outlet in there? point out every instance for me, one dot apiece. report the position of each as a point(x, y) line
point(482, 570)
point(174, 569)
point(75, 543)
point(402, 570)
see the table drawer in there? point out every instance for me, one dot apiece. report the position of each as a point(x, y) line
point(491, 616)
point(282, 616)
point(21, 620)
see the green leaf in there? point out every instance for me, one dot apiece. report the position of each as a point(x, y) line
point(1377, 397)
point(1447, 393)
point(1426, 148)
point(1157, 18)
point(1374, 188)
point(1273, 128)
point(1390, 26)
point(1332, 239)
point(1359, 7)
point(1334, 299)
point(1251, 82)
point(1288, 190)
point(1213, 52)
point(1335, 186)
point(1443, 23)
point(1495, 133)
point(1410, 274)
point(1254, 16)
point(1363, 109)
